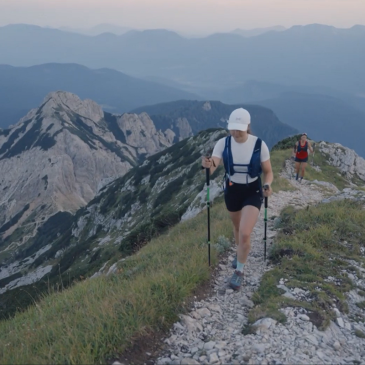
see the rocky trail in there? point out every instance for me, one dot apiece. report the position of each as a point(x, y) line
point(212, 332)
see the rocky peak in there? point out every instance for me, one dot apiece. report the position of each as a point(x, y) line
point(345, 159)
point(63, 152)
point(141, 133)
point(207, 106)
point(69, 102)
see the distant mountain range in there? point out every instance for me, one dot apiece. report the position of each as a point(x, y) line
point(305, 55)
point(199, 115)
point(302, 107)
point(324, 113)
point(119, 30)
point(98, 29)
point(322, 117)
point(23, 88)
point(257, 31)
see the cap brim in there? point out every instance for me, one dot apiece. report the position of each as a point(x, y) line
point(237, 127)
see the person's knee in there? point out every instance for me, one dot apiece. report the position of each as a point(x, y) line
point(245, 237)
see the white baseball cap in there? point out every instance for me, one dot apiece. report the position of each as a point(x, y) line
point(239, 120)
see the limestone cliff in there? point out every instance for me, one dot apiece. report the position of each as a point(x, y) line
point(59, 155)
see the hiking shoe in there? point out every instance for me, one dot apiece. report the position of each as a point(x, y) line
point(236, 280)
point(234, 262)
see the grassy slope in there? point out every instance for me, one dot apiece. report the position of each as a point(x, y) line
point(98, 318)
point(278, 162)
point(325, 236)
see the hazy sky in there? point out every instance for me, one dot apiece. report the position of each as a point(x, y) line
point(193, 16)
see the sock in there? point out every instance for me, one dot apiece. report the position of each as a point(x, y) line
point(240, 266)
point(297, 177)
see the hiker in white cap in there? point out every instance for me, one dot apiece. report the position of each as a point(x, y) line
point(244, 157)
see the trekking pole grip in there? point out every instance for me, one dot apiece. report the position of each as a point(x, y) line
point(266, 201)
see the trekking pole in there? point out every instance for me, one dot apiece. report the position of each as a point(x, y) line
point(208, 209)
point(265, 220)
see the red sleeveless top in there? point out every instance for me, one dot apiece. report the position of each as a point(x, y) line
point(302, 150)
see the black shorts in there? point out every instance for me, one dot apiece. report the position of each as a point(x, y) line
point(301, 159)
point(238, 196)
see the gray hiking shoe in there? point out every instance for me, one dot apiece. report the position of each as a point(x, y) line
point(234, 262)
point(236, 280)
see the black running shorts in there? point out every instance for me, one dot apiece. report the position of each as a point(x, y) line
point(238, 196)
point(301, 159)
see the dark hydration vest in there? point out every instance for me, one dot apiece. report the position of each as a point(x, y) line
point(253, 168)
point(304, 148)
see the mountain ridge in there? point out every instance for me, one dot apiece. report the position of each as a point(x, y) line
point(25, 87)
point(59, 155)
point(200, 115)
point(309, 55)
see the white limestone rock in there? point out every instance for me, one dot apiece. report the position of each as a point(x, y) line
point(347, 160)
point(264, 324)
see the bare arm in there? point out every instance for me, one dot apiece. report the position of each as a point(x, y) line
point(268, 176)
point(310, 147)
point(295, 148)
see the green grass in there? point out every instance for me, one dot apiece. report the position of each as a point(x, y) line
point(97, 319)
point(278, 158)
point(309, 248)
point(359, 333)
point(328, 173)
point(361, 305)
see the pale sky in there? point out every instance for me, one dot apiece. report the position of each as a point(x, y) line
point(192, 16)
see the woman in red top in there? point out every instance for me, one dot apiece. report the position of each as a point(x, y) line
point(301, 155)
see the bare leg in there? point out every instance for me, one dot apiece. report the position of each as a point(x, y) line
point(304, 164)
point(297, 167)
point(248, 220)
point(236, 218)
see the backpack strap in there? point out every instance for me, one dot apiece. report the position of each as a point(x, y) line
point(227, 157)
point(258, 145)
point(255, 164)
